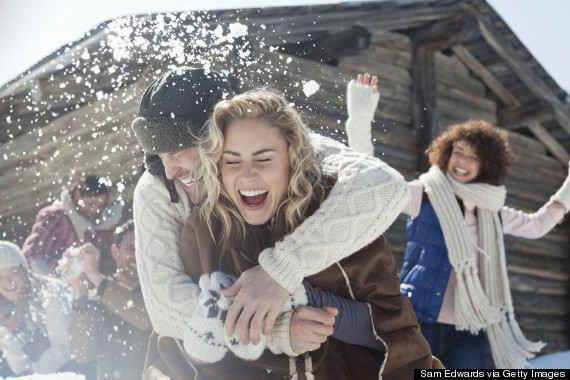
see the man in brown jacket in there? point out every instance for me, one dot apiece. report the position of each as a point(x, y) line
point(109, 325)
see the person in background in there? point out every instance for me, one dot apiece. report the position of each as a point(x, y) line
point(172, 114)
point(262, 181)
point(109, 324)
point(81, 215)
point(34, 317)
point(454, 269)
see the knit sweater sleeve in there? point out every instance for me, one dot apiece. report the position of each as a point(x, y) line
point(169, 294)
point(366, 199)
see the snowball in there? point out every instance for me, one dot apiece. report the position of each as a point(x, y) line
point(238, 30)
point(310, 87)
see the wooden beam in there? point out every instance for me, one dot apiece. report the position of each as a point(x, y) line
point(427, 41)
point(399, 19)
point(331, 47)
point(424, 101)
point(546, 138)
point(447, 33)
point(516, 118)
point(490, 80)
point(49, 65)
point(521, 68)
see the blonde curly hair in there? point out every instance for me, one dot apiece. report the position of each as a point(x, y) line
point(304, 179)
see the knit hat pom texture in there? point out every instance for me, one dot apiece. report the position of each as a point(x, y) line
point(174, 110)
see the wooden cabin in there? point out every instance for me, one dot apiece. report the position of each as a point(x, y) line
point(438, 62)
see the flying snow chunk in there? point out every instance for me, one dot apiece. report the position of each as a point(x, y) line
point(310, 87)
point(238, 30)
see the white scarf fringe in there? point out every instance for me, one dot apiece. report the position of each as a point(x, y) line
point(482, 301)
point(308, 361)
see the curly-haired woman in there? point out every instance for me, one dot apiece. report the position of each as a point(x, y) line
point(454, 269)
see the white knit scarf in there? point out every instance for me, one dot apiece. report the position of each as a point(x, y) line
point(482, 301)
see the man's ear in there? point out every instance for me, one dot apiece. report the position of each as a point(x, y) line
point(114, 251)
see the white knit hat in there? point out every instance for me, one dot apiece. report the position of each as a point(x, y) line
point(11, 255)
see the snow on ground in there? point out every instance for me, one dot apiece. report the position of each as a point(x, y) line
point(558, 360)
point(55, 376)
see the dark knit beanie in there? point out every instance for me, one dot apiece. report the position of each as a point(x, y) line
point(173, 111)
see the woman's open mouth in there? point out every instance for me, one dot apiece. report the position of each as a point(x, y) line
point(188, 182)
point(253, 198)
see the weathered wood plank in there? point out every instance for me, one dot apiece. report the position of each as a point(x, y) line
point(537, 248)
point(461, 82)
point(384, 71)
point(446, 33)
point(536, 174)
point(515, 118)
point(387, 55)
point(527, 285)
point(402, 19)
point(486, 76)
point(522, 143)
point(396, 135)
point(276, 62)
point(537, 192)
point(392, 40)
point(533, 161)
point(465, 101)
point(451, 63)
point(462, 113)
point(553, 146)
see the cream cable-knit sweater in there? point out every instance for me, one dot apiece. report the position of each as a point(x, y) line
point(364, 202)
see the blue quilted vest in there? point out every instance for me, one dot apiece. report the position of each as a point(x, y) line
point(426, 267)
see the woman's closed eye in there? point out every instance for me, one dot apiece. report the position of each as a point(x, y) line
point(464, 157)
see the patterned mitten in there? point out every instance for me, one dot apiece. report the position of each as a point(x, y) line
point(361, 104)
point(204, 336)
point(563, 194)
point(253, 351)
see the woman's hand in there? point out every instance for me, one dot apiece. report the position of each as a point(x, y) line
point(366, 80)
point(310, 327)
point(258, 297)
point(361, 101)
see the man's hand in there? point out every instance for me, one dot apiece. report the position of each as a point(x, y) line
point(310, 327)
point(78, 285)
point(257, 297)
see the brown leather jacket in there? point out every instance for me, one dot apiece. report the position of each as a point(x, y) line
point(370, 275)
